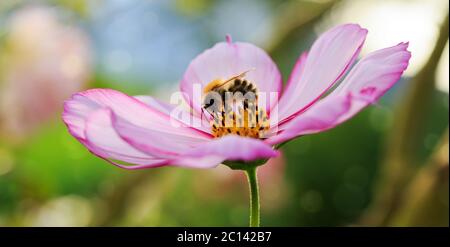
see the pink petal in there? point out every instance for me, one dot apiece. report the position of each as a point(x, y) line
point(151, 140)
point(227, 59)
point(193, 120)
point(233, 147)
point(297, 72)
point(373, 76)
point(376, 73)
point(82, 104)
point(156, 104)
point(328, 60)
point(197, 162)
point(102, 140)
point(295, 76)
point(321, 116)
point(87, 116)
point(182, 151)
point(364, 85)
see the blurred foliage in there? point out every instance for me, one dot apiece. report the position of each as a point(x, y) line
point(404, 149)
point(193, 7)
point(327, 179)
point(426, 198)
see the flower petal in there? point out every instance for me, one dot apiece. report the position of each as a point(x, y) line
point(155, 104)
point(328, 60)
point(85, 112)
point(376, 73)
point(297, 72)
point(225, 60)
point(107, 144)
point(365, 84)
point(234, 147)
point(82, 104)
point(197, 162)
point(373, 76)
point(152, 141)
point(178, 149)
point(185, 117)
point(103, 141)
point(321, 116)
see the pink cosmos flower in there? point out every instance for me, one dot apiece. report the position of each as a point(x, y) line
point(243, 130)
point(137, 130)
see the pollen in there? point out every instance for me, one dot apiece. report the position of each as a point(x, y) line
point(234, 109)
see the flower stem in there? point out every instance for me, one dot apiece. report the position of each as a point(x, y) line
point(254, 196)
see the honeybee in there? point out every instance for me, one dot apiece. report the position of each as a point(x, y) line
point(232, 103)
point(214, 93)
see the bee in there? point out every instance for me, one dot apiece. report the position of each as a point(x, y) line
point(232, 103)
point(215, 91)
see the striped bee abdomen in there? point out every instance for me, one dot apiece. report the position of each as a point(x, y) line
point(234, 108)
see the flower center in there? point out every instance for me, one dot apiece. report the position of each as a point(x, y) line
point(233, 105)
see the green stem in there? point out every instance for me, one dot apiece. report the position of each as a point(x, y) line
point(254, 196)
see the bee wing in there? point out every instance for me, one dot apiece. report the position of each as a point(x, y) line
point(233, 78)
